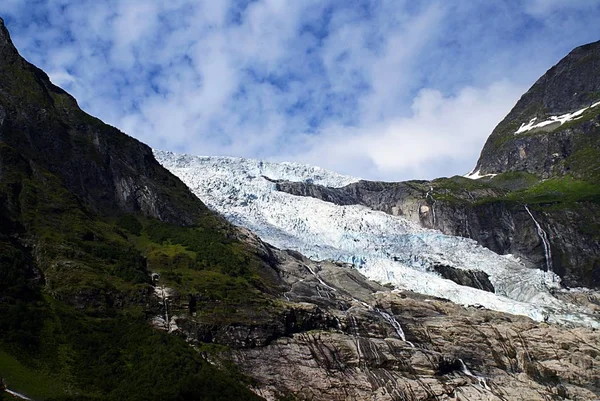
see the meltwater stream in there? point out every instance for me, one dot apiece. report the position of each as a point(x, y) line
point(385, 248)
point(545, 242)
point(18, 395)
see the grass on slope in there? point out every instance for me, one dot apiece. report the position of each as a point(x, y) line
point(558, 190)
point(36, 384)
point(81, 331)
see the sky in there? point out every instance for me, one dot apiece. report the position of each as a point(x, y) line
point(386, 90)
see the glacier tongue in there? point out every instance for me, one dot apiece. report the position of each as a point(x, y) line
point(385, 248)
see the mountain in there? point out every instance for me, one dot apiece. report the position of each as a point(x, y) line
point(118, 283)
point(86, 213)
point(534, 192)
point(553, 129)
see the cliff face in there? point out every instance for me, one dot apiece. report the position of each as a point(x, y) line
point(109, 171)
point(554, 149)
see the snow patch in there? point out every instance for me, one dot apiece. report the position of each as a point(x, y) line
point(475, 175)
point(553, 122)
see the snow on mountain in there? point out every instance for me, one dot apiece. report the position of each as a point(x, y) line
point(385, 248)
point(553, 121)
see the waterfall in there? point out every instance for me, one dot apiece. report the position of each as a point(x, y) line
point(430, 196)
point(18, 395)
point(166, 306)
point(544, 237)
point(163, 294)
point(395, 324)
point(319, 278)
point(480, 379)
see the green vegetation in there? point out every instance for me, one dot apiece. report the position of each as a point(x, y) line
point(224, 275)
point(82, 333)
point(459, 189)
point(130, 223)
point(37, 384)
point(514, 180)
point(458, 183)
point(212, 249)
point(558, 190)
point(121, 358)
point(518, 188)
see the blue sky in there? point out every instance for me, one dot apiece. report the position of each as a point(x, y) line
point(388, 90)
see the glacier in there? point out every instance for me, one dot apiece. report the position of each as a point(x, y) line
point(385, 248)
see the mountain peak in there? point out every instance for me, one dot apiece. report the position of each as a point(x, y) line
point(112, 172)
point(8, 51)
point(542, 132)
point(4, 35)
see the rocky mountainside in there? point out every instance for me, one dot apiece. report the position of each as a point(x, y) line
point(369, 343)
point(109, 171)
point(553, 129)
point(535, 191)
point(117, 283)
point(86, 216)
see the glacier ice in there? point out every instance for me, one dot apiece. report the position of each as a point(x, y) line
point(385, 248)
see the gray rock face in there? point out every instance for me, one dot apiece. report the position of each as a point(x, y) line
point(342, 337)
point(396, 198)
point(471, 278)
point(45, 125)
point(571, 85)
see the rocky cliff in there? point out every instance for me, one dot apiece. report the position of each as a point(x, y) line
point(543, 134)
point(534, 192)
point(109, 171)
point(343, 337)
point(386, 345)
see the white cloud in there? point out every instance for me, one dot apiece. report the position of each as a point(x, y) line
point(61, 78)
point(442, 130)
point(384, 89)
